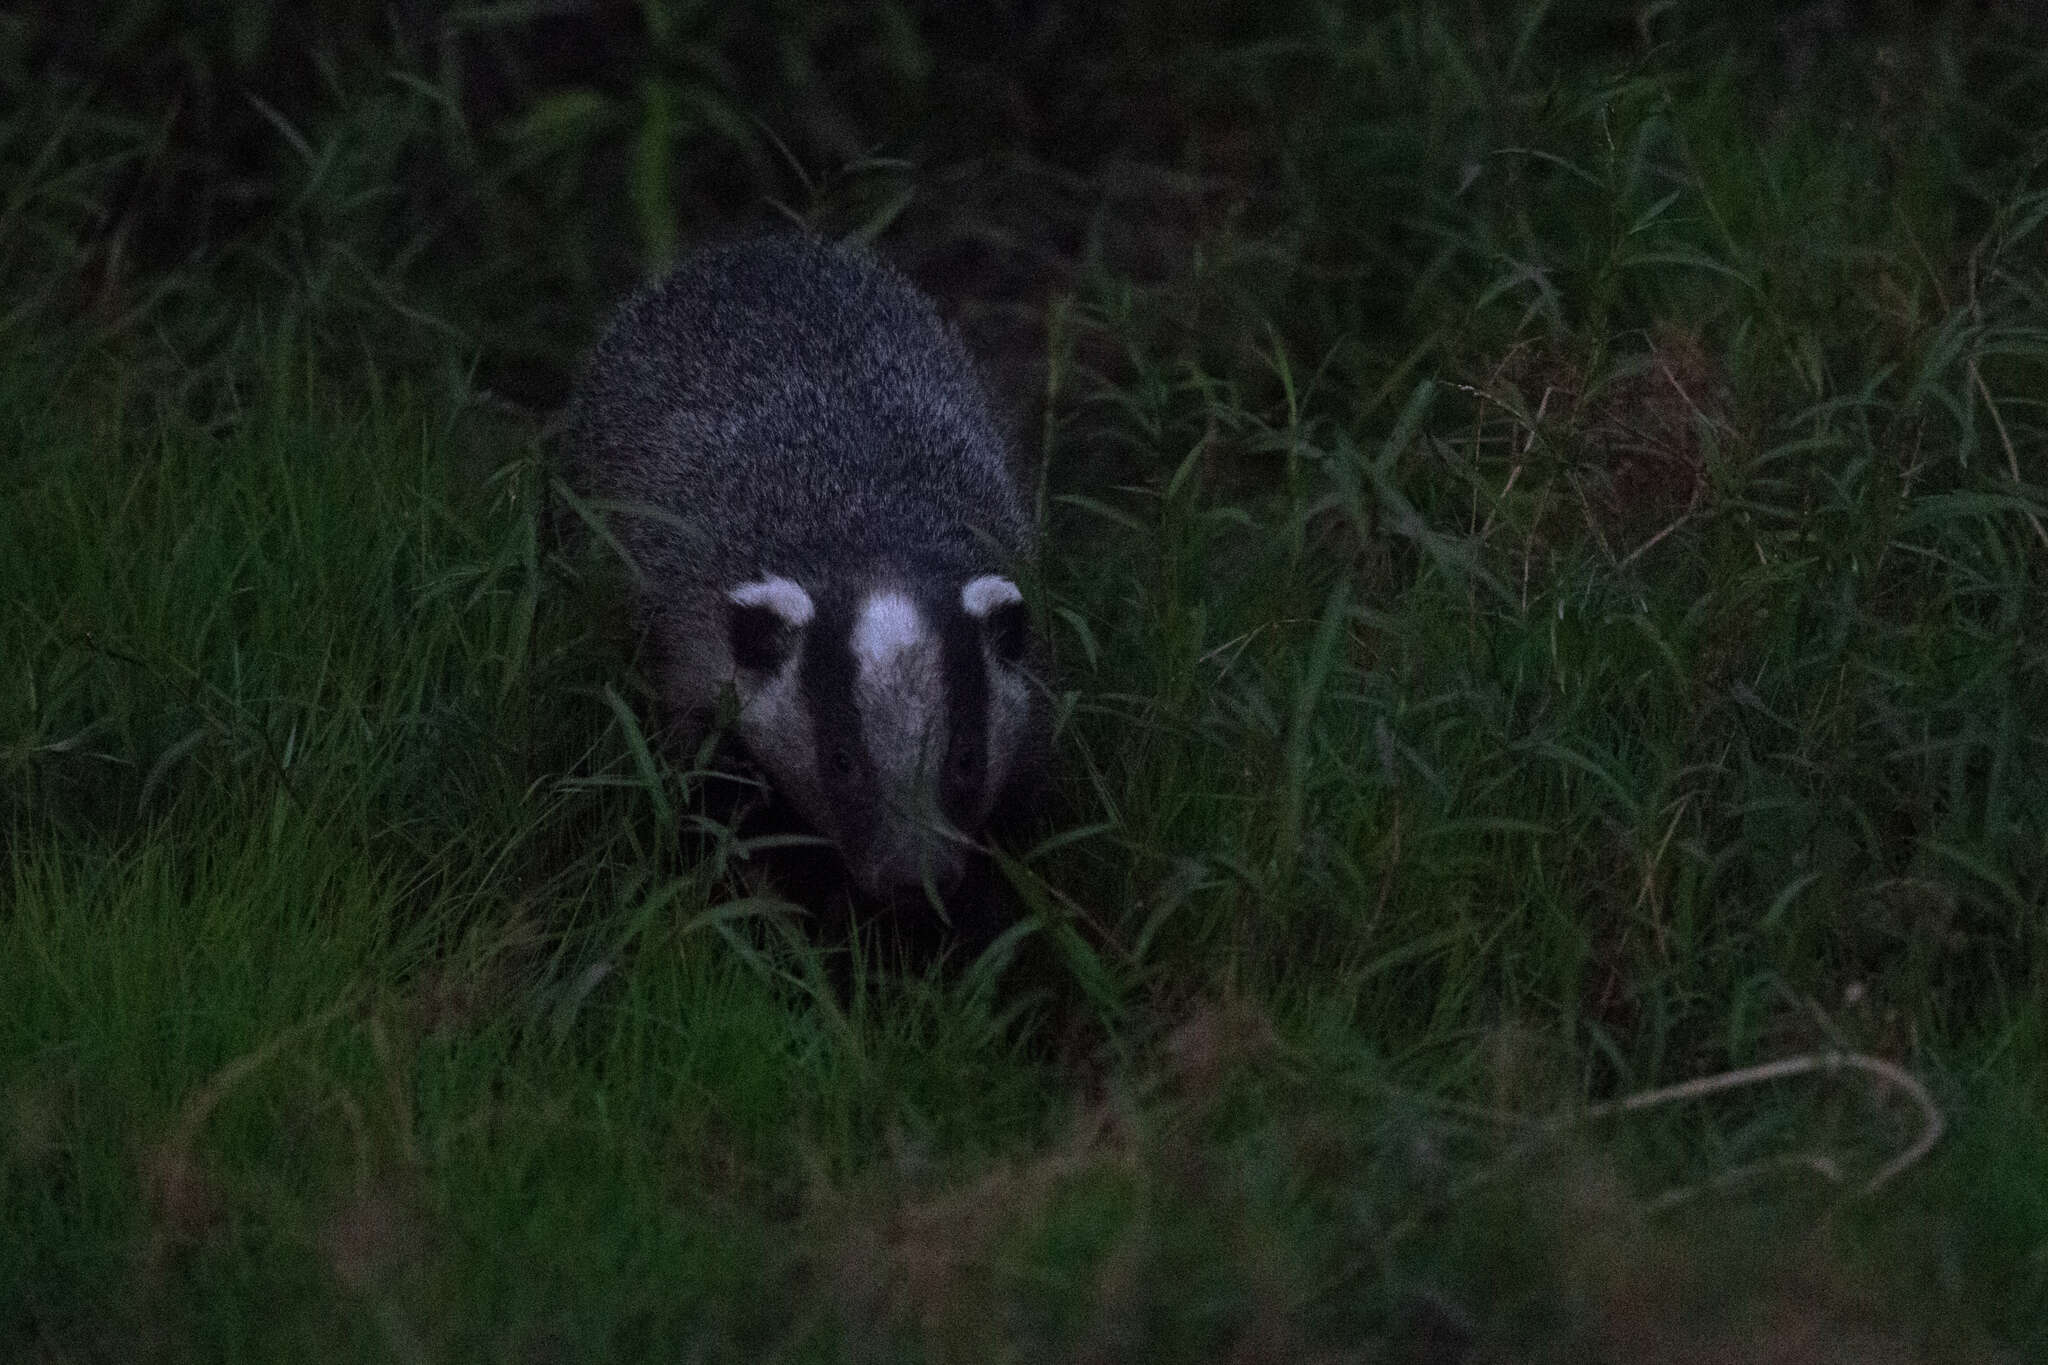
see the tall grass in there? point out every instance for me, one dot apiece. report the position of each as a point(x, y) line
point(1547, 591)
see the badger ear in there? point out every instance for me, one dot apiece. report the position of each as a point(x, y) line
point(762, 622)
point(995, 602)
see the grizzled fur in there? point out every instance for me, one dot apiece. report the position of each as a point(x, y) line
point(799, 460)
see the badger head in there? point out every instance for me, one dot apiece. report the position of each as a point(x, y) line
point(891, 717)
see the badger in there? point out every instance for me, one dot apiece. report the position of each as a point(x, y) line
point(799, 461)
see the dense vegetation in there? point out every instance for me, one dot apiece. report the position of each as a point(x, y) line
point(1549, 581)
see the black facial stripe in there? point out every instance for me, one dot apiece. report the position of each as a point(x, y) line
point(1006, 627)
point(966, 675)
point(826, 677)
point(760, 639)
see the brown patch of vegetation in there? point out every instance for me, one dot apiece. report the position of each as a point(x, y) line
point(929, 1259)
point(446, 1002)
point(1216, 1039)
point(1637, 443)
point(1655, 426)
point(1526, 1071)
point(373, 1241)
point(187, 1202)
point(463, 992)
point(1654, 1305)
point(377, 1245)
point(951, 1261)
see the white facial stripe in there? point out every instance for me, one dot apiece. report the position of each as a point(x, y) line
point(779, 595)
point(778, 730)
point(984, 594)
point(1009, 704)
point(889, 624)
point(900, 692)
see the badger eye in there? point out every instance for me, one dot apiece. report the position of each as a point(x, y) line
point(1007, 628)
point(965, 761)
point(842, 763)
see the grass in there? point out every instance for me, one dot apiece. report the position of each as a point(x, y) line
point(1547, 584)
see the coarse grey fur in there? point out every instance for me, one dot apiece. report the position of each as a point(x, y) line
point(799, 460)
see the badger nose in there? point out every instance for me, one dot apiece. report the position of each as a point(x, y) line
point(914, 881)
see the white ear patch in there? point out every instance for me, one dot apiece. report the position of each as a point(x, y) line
point(984, 594)
point(889, 624)
point(779, 595)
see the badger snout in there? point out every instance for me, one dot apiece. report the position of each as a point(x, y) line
point(911, 876)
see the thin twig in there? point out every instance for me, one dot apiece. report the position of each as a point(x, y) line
point(1805, 1064)
point(1818, 1164)
point(1647, 545)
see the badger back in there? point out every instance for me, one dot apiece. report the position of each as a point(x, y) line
point(792, 404)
